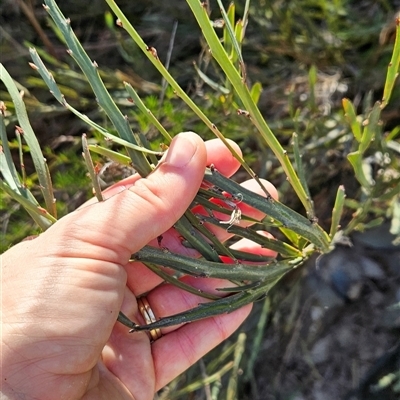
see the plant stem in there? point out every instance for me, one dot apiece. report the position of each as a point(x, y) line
point(243, 92)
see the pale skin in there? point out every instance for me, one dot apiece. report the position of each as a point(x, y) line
point(62, 291)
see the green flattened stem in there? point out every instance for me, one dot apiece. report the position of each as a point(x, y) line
point(8, 170)
point(204, 268)
point(356, 161)
point(243, 92)
point(393, 68)
point(219, 247)
point(142, 107)
point(176, 282)
point(48, 78)
point(103, 97)
point(351, 117)
point(284, 249)
point(11, 183)
point(231, 36)
point(111, 154)
point(249, 257)
point(221, 306)
point(151, 54)
point(125, 320)
point(300, 169)
point(371, 127)
point(337, 211)
point(194, 237)
point(89, 165)
point(286, 216)
point(30, 138)
point(40, 215)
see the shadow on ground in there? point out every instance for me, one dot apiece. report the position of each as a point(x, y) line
point(336, 333)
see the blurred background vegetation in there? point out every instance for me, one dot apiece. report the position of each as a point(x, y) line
point(307, 55)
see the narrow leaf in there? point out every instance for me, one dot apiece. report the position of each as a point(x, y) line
point(8, 169)
point(151, 54)
point(255, 92)
point(111, 154)
point(38, 214)
point(371, 126)
point(90, 69)
point(30, 138)
point(337, 211)
point(214, 85)
point(49, 79)
point(351, 118)
point(273, 208)
point(393, 68)
point(139, 103)
point(236, 47)
point(92, 173)
point(243, 92)
point(301, 173)
point(356, 161)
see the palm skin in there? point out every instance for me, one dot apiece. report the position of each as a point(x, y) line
point(62, 291)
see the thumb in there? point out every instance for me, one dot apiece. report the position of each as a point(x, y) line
point(114, 229)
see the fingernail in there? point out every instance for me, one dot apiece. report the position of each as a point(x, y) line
point(181, 151)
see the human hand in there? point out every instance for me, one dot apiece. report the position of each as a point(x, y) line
point(62, 291)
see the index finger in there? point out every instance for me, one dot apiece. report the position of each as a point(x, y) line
point(217, 154)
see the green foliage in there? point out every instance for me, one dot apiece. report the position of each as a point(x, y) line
point(305, 233)
point(310, 47)
point(71, 189)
